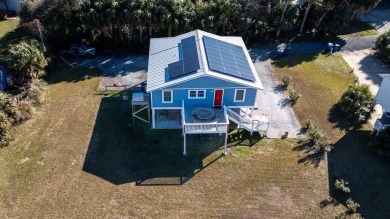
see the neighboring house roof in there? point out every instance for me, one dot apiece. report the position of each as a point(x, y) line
point(382, 97)
point(164, 51)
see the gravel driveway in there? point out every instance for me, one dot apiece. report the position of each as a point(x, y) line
point(272, 101)
point(119, 70)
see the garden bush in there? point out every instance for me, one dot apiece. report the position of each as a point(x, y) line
point(286, 81)
point(380, 144)
point(352, 206)
point(383, 46)
point(357, 103)
point(4, 129)
point(293, 96)
point(8, 107)
point(27, 61)
point(342, 186)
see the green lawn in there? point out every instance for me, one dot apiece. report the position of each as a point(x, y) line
point(358, 29)
point(80, 156)
point(321, 80)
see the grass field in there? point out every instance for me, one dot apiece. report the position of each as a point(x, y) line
point(81, 157)
point(321, 80)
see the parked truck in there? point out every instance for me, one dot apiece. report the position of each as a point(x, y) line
point(79, 50)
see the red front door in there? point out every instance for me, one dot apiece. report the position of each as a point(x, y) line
point(218, 94)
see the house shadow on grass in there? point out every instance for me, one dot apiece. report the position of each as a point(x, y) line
point(368, 175)
point(121, 152)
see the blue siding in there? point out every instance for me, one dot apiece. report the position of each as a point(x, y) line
point(206, 82)
point(180, 92)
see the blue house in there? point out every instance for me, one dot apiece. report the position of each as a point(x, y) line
point(200, 82)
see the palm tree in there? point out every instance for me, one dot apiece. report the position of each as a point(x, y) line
point(280, 23)
point(357, 102)
point(328, 5)
point(309, 4)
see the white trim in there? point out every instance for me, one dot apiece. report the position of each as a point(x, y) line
point(240, 106)
point(167, 108)
point(197, 94)
point(243, 96)
point(223, 92)
point(153, 122)
point(162, 93)
point(208, 88)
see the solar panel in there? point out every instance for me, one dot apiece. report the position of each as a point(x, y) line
point(189, 61)
point(175, 69)
point(227, 58)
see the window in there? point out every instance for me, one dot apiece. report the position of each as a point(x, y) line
point(196, 94)
point(239, 95)
point(167, 96)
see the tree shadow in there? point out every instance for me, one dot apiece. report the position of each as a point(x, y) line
point(121, 152)
point(372, 67)
point(341, 121)
point(368, 176)
point(293, 60)
point(311, 155)
point(60, 73)
point(114, 64)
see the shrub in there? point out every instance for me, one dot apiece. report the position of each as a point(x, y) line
point(315, 133)
point(4, 128)
point(342, 186)
point(26, 110)
point(352, 206)
point(357, 103)
point(27, 61)
point(383, 46)
point(286, 81)
point(8, 107)
point(323, 146)
point(293, 95)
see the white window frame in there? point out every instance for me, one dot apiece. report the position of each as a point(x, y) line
point(197, 94)
point(163, 99)
point(243, 96)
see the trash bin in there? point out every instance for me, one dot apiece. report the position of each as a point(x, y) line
point(286, 51)
point(330, 47)
point(336, 47)
point(279, 53)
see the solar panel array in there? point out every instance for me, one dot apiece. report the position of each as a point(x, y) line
point(227, 58)
point(190, 61)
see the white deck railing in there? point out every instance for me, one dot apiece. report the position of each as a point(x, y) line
point(203, 127)
point(247, 122)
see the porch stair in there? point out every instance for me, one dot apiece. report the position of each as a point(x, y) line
point(248, 122)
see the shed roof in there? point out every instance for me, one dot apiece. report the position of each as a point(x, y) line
point(383, 95)
point(164, 51)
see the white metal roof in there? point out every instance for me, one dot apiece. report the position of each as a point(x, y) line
point(383, 95)
point(164, 51)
